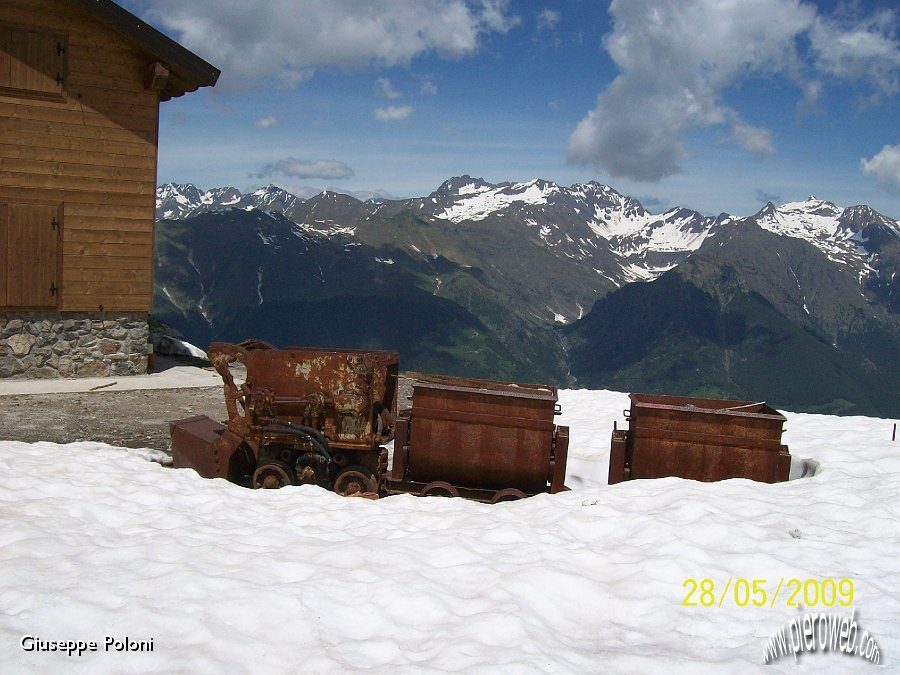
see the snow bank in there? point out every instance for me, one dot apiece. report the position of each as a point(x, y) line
point(98, 541)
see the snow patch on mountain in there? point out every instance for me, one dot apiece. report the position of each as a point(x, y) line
point(812, 220)
point(180, 201)
point(482, 201)
point(834, 230)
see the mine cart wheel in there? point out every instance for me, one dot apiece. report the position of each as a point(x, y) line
point(508, 495)
point(355, 479)
point(439, 488)
point(273, 474)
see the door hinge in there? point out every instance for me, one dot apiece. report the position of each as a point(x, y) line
point(54, 289)
point(54, 223)
point(60, 50)
point(59, 79)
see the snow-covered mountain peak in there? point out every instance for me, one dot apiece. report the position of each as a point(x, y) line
point(174, 200)
point(226, 196)
point(813, 219)
point(459, 185)
point(851, 236)
point(179, 201)
point(269, 189)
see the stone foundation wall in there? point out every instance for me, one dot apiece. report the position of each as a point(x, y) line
point(53, 344)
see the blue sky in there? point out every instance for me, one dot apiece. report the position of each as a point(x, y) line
point(711, 104)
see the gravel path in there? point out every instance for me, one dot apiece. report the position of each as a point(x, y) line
point(130, 419)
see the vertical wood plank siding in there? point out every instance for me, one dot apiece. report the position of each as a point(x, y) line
point(33, 238)
point(91, 147)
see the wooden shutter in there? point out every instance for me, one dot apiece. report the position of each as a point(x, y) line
point(32, 255)
point(4, 252)
point(5, 58)
point(31, 61)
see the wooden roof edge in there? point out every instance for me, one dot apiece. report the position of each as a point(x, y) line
point(193, 72)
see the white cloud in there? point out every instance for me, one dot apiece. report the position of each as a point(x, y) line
point(676, 59)
point(287, 40)
point(383, 87)
point(304, 168)
point(812, 90)
point(266, 122)
point(547, 19)
point(429, 87)
point(754, 139)
point(393, 113)
point(884, 167)
point(865, 49)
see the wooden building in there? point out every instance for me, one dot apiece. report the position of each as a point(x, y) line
point(80, 86)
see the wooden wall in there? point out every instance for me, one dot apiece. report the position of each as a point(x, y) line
point(91, 151)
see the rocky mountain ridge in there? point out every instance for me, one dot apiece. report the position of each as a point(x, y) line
point(583, 221)
point(479, 278)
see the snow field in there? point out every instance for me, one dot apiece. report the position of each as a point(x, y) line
point(97, 540)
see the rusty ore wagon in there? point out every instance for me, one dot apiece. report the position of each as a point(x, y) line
point(699, 438)
point(314, 416)
point(479, 439)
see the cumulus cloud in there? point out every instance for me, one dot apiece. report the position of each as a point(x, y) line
point(383, 87)
point(884, 167)
point(266, 122)
point(393, 113)
point(864, 49)
point(304, 168)
point(677, 58)
point(287, 40)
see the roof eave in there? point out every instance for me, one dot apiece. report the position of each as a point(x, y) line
point(192, 72)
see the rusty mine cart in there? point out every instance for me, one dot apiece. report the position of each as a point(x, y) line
point(699, 438)
point(479, 439)
point(314, 416)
